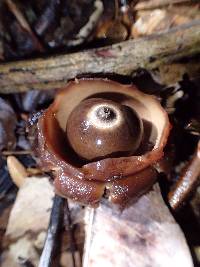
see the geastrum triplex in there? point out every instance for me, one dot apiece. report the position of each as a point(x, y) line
point(100, 139)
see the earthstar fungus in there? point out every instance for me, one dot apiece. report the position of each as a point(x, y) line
point(102, 138)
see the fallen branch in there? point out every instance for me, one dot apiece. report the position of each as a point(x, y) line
point(123, 58)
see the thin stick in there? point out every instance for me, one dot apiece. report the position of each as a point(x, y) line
point(13, 152)
point(52, 233)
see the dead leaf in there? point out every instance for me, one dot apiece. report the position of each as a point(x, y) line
point(144, 234)
point(31, 211)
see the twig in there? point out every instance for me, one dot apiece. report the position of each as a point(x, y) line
point(52, 233)
point(123, 58)
point(152, 4)
point(15, 152)
point(23, 22)
point(186, 182)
